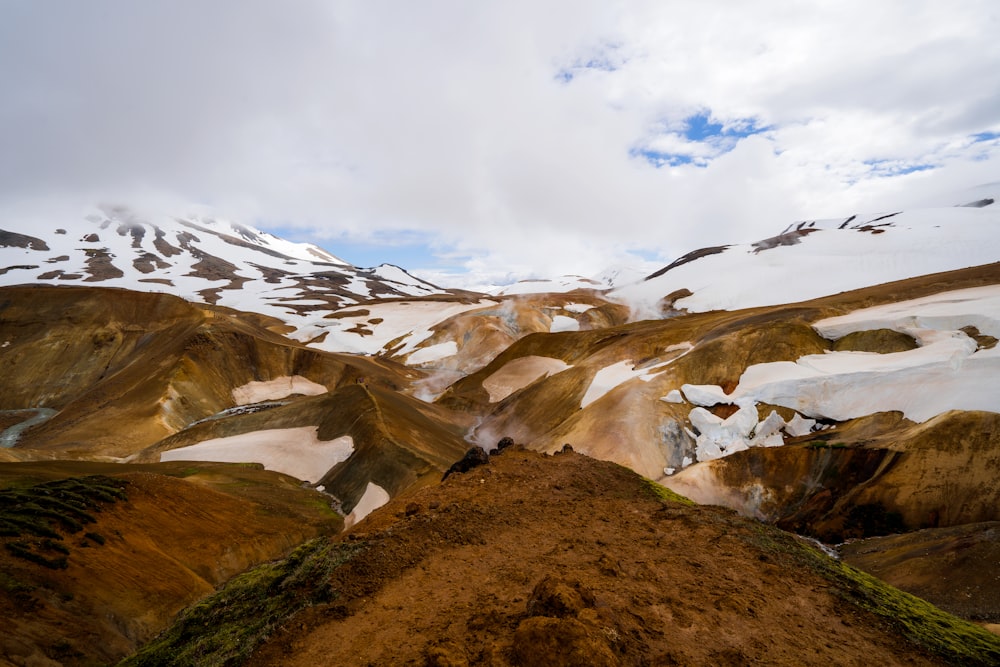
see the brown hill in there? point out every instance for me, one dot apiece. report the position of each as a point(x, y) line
point(99, 557)
point(563, 560)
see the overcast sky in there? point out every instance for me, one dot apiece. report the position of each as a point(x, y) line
point(499, 139)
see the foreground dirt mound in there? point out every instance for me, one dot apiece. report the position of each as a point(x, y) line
point(565, 560)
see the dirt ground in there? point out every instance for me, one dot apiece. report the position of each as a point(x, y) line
point(535, 560)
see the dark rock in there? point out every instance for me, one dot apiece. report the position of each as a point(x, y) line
point(555, 597)
point(473, 458)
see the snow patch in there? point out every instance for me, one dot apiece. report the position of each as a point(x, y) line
point(578, 308)
point(373, 498)
point(608, 378)
point(673, 396)
point(433, 353)
point(282, 387)
point(563, 323)
point(517, 374)
point(294, 451)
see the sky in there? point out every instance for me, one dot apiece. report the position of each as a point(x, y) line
point(477, 143)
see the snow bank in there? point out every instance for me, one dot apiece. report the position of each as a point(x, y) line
point(270, 390)
point(294, 451)
point(947, 372)
point(517, 374)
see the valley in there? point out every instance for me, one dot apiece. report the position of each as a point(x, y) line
point(246, 395)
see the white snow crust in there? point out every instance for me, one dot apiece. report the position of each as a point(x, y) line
point(294, 451)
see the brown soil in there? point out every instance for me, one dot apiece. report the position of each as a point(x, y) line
point(566, 560)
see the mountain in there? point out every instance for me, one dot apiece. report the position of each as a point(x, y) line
point(837, 380)
point(817, 258)
point(202, 259)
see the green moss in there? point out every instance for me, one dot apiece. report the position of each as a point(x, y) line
point(956, 641)
point(225, 628)
point(663, 493)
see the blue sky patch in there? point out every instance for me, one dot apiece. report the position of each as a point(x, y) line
point(408, 249)
point(697, 139)
point(659, 159)
point(897, 167)
point(984, 136)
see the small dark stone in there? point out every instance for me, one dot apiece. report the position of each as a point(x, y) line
point(412, 508)
point(567, 448)
point(473, 458)
point(504, 443)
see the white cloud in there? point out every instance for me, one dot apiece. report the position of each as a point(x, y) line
point(504, 132)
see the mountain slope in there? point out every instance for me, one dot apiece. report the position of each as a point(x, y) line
point(818, 258)
point(148, 364)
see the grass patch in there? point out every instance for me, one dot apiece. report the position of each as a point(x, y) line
point(819, 444)
point(225, 628)
point(956, 641)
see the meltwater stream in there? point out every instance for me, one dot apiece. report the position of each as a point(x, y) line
point(9, 436)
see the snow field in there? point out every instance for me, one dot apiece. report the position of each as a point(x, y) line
point(563, 323)
point(294, 451)
point(827, 261)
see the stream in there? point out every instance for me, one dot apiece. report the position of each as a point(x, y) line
point(10, 435)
